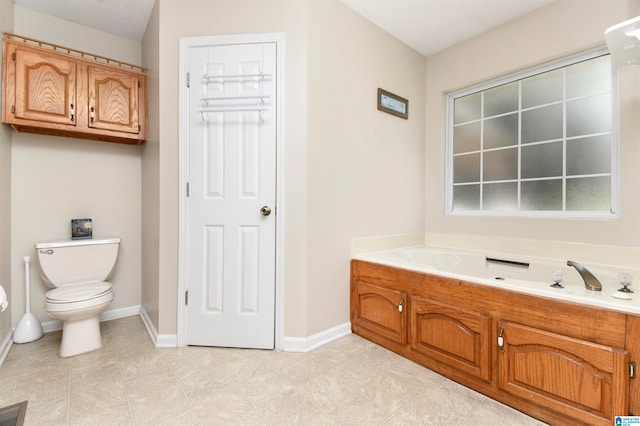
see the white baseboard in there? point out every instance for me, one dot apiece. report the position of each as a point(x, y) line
point(307, 344)
point(120, 313)
point(159, 340)
point(289, 344)
point(55, 325)
point(5, 345)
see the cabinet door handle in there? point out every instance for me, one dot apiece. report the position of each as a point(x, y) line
point(92, 115)
point(73, 115)
point(501, 340)
point(400, 305)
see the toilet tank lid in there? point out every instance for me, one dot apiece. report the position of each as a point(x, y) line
point(83, 242)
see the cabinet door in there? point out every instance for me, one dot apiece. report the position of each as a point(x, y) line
point(583, 380)
point(113, 100)
point(45, 87)
point(452, 335)
point(379, 310)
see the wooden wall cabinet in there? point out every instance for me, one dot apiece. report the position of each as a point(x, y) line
point(49, 91)
point(560, 362)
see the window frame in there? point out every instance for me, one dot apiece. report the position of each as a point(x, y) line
point(519, 75)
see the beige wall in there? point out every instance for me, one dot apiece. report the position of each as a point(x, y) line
point(365, 167)
point(56, 179)
point(54, 30)
point(6, 24)
point(562, 28)
point(202, 18)
point(349, 170)
point(150, 172)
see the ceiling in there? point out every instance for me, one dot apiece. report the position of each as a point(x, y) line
point(433, 25)
point(126, 18)
point(426, 25)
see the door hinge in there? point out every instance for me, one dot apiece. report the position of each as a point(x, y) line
point(632, 370)
point(13, 56)
point(186, 297)
point(188, 80)
point(139, 127)
point(139, 85)
point(188, 189)
point(13, 109)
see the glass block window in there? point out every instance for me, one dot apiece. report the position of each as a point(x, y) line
point(539, 142)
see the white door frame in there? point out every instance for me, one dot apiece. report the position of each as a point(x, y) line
point(183, 154)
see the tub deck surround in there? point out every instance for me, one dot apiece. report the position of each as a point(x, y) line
point(561, 355)
point(488, 269)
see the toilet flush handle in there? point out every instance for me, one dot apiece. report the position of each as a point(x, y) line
point(49, 251)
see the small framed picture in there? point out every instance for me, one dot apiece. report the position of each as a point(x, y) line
point(81, 229)
point(393, 104)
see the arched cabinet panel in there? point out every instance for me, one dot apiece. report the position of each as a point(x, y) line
point(48, 87)
point(452, 335)
point(113, 100)
point(380, 311)
point(572, 376)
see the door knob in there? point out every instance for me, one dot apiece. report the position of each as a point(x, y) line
point(265, 211)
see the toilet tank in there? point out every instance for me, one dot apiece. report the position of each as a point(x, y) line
point(76, 261)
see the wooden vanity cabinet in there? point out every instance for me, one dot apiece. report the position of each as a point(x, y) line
point(563, 363)
point(452, 335)
point(51, 92)
point(378, 313)
point(582, 380)
point(632, 345)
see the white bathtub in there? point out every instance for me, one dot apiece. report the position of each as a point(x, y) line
point(518, 273)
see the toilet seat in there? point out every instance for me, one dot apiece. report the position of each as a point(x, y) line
point(76, 297)
point(79, 292)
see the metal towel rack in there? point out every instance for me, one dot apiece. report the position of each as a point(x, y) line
point(259, 108)
point(227, 98)
point(261, 76)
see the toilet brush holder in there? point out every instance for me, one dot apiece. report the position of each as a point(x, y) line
point(28, 328)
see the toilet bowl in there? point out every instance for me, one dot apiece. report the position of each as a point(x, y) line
point(76, 271)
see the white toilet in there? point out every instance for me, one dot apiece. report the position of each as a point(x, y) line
point(77, 270)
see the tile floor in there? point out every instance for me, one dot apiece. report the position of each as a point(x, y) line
point(129, 382)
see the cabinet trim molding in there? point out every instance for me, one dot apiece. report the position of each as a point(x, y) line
point(68, 50)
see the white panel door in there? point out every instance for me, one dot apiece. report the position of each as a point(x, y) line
point(232, 185)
